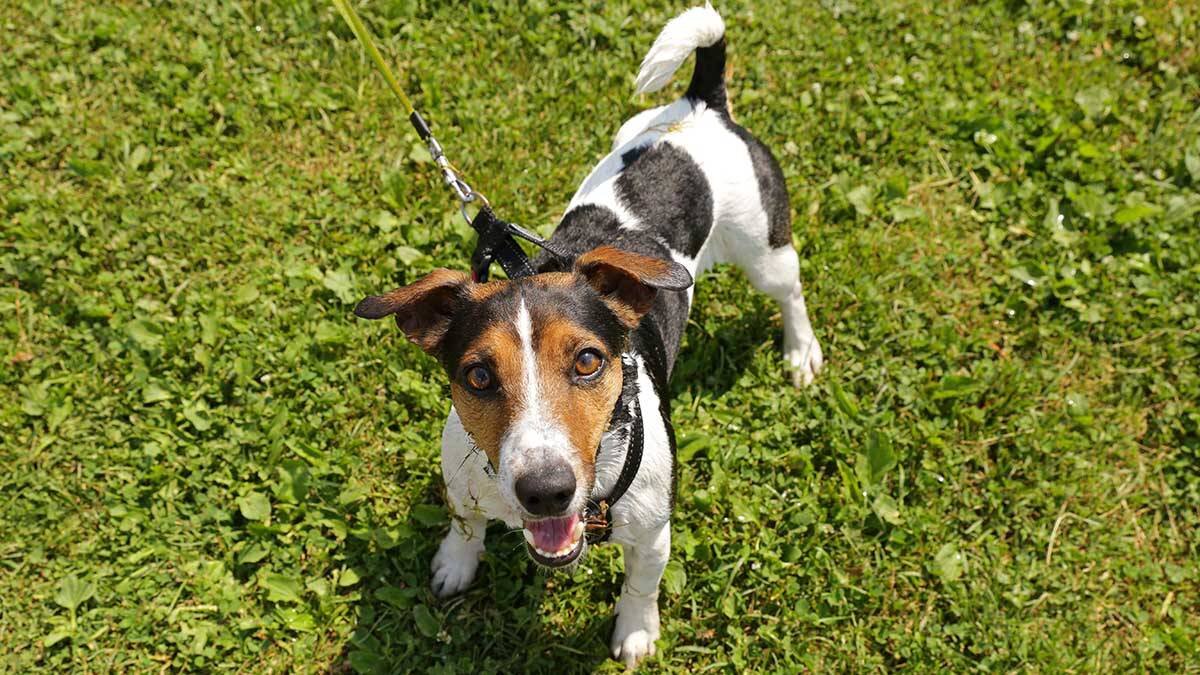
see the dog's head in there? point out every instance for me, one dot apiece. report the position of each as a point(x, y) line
point(535, 371)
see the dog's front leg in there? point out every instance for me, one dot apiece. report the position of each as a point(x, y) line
point(637, 609)
point(457, 558)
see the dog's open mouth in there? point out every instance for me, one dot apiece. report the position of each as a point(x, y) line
point(554, 542)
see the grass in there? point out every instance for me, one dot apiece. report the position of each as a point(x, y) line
point(210, 465)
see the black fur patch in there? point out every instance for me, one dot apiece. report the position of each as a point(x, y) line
point(669, 195)
point(579, 304)
point(589, 226)
point(630, 156)
point(470, 319)
point(708, 77)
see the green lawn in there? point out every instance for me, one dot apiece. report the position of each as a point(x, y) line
point(209, 464)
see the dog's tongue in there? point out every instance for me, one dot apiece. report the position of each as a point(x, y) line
point(553, 534)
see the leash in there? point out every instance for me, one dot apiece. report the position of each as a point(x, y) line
point(495, 241)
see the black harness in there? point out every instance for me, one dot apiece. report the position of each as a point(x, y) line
point(496, 243)
point(597, 522)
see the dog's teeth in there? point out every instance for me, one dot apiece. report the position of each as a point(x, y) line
point(528, 537)
point(556, 554)
point(578, 530)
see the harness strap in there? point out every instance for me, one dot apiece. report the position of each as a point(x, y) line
point(597, 522)
point(495, 243)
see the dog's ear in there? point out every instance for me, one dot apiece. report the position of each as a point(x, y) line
point(423, 308)
point(628, 282)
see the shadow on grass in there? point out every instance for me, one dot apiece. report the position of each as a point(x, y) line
point(496, 625)
point(717, 353)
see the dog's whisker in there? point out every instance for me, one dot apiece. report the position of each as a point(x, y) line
point(459, 469)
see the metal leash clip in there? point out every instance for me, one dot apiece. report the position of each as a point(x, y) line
point(462, 190)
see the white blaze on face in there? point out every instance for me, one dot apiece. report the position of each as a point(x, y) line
point(535, 437)
point(533, 409)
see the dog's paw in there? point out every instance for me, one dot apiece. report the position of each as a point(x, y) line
point(636, 630)
point(455, 564)
point(635, 647)
point(803, 361)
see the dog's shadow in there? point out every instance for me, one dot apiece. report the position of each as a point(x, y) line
point(497, 625)
point(729, 323)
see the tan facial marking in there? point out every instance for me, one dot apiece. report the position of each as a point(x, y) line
point(487, 417)
point(583, 408)
point(481, 292)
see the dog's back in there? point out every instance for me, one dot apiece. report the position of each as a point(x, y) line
point(687, 183)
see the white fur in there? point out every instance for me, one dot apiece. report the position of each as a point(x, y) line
point(457, 558)
point(740, 235)
point(471, 490)
point(473, 498)
point(642, 525)
point(695, 28)
point(637, 609)
point(778, 275)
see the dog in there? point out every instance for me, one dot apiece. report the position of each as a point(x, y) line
point(559, 378)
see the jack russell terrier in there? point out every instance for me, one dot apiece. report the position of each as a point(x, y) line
point(560, 378)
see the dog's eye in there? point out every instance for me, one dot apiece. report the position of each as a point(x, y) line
point(479, 378)
point(588, 362)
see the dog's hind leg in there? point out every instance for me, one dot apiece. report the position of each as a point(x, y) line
point(776, 272)
point(756, 235)
point(637, 609)
point(457, 558)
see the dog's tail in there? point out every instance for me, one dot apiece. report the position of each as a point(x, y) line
point(700, 30)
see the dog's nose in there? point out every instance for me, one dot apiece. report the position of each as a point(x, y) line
point(547, 491)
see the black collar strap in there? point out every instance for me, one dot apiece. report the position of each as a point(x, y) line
point(496, 243)
point(596, 518)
